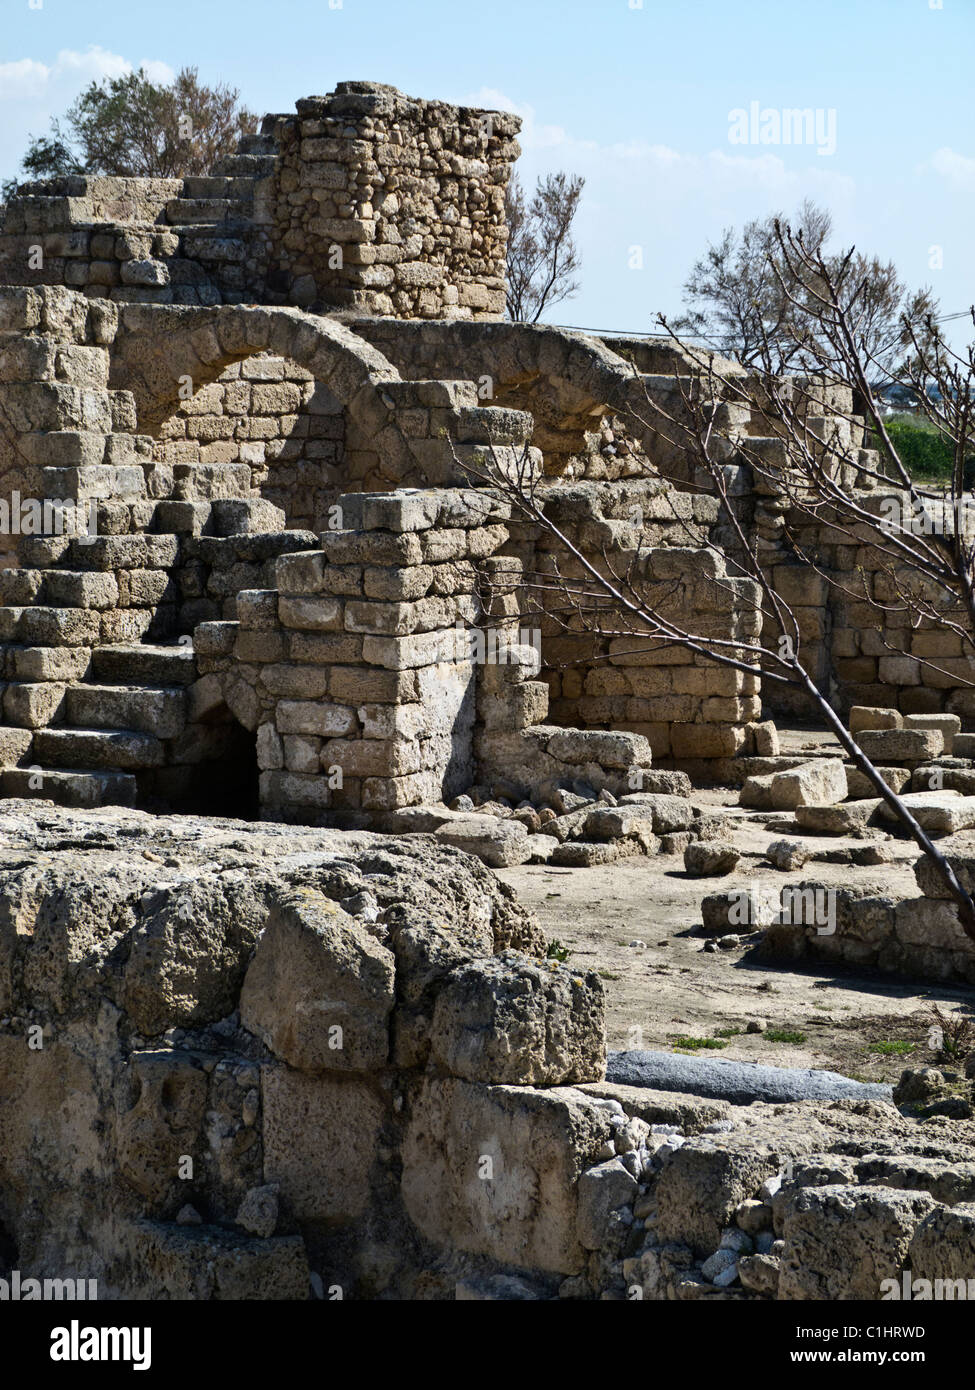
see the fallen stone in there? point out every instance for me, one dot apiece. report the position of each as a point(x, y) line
point(737, 1082)
point(819, 783)
point(258, 1212)
point(901, 745)
point(583, 854)
point(620, 823)
point(948, 724)
point(843, 819)
point(766, 737)
point(756, 792)
point(787, 855)
point(668, 813)
point(749, 908)
point(759, 1273)
point(602, 1190)
point(709, 858)
point(499, 843)
point(939, 813)
point(867, 717)
point(860, 788)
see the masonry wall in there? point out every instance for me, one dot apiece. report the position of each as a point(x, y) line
point(389, 205)
point(689, 709)
point(365, 200)
point(271, 415)
point(858, 631)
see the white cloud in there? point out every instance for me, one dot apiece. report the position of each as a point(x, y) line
point(958, 169)
point(27, 80)
point(157, 71)
point(32, 93)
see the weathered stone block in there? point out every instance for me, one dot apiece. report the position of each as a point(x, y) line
point(493, 1170)
point(517, 1021)
point(319, 990)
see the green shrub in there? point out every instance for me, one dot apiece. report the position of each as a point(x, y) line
point(925, 453)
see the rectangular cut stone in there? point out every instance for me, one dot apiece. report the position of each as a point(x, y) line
point(315, 717)
point(867, 717)
point(819, 783)
point(948, 724)
point(901, 745)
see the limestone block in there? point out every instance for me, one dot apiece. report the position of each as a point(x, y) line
point(319, 990)
point(668, 812)
point(860, 788)
point(949, 725)
point(493, 1170)
point(619, 823)
point(500, 843)
point(821, 783)
point(939, 813)
point(208, 1262)
point(620, 750)
point(33, 706)
point(901, 745)
point(867, 717)
point(842, 1241)
point(602, 1190)
point(710, 858)
point(844, 819)
point(314, 717)
point(943, 1248)
point(740, 910)
point(320, 613)
point(930, 922)
point(513, 1020)
point(164, 1121)
point(702, 1185)
point(766, 737)
point(320, 1135)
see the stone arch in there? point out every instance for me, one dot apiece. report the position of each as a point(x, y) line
point(568, 381)
point(158, 347)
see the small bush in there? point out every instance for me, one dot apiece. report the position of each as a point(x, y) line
point(695, 1044)
point(784, 1035)
point(896, 1047)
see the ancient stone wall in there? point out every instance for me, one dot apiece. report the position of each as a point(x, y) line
point(387, 205)
point(271, 415)
point(365, 200)
point(252, 1062)
point(859, 632)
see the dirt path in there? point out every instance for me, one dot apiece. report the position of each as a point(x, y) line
point(671, 987)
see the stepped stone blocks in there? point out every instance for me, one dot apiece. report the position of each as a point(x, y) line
point(364, 200)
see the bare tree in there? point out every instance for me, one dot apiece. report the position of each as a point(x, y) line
point(542, 259)
point(738, 303)
point(812, 477)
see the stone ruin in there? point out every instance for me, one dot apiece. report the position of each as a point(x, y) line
point(262, 398)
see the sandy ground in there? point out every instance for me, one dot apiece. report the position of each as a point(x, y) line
point(670, 987)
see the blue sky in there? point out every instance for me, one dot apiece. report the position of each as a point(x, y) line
point(635, 97)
